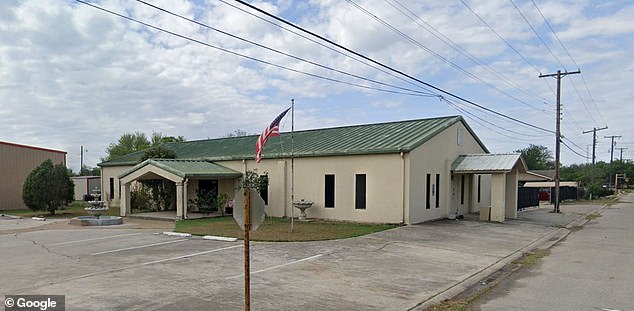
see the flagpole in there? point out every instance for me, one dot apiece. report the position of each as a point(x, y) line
point(292, 162)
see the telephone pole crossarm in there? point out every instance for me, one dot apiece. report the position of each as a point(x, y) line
point(558, 75)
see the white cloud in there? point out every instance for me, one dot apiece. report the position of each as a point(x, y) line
point(73, 75)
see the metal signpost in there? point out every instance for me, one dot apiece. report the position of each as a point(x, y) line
point(249, 219)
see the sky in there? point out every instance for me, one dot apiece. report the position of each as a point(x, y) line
point(72, 75)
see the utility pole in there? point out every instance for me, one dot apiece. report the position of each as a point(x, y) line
point(612, 137)
point(612, 146)
point(81, 160)
point(594, 148)
point(621, 149)
point(558, 76)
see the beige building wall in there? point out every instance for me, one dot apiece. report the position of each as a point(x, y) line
point(16, 163)
point(384, 186)
point(435, 157)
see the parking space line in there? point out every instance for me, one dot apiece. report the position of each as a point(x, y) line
point(189, 255)
point(95, 239)
point(278, 266)
point(136, 247)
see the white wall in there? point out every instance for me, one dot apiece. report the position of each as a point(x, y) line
point(435, 157)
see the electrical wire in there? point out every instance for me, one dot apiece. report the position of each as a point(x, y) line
point(446, 40)
point(280, 52)
point(537, 34)
point(413, 93)
point(437, 55)
point(324, 45)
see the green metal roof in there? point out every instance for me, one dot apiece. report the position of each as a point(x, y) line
point(487, 163)
point(389, 137)
point(187, 168)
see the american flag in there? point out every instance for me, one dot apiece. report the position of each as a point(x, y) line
point(272, 130)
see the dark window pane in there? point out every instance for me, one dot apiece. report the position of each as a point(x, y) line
point(461, 189)
point(437, 190)
point(359, 202)
point(479, 185)
point(427, 191)
point(329, 189)
point(264, 188)
point(111, 188)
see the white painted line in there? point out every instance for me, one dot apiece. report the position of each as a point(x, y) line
point(278, 266)
point(190, 255)
point(95, 239)
point(178, 234)
point(136, 247)
point(219, 238)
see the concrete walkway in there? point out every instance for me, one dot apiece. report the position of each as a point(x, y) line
point(410, 267)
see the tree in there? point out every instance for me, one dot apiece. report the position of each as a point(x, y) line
point(537, 157)
point(132, 142)
point(127, 143)
point(237, 133)
point(158, 139)
point(48, 187)
point(158, 152)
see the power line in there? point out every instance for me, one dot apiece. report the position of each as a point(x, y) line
point(278, 51)
point(413, 92)
point(456, 106)
point(393, 69)
point(429, 50)
point(506, 42)
point(571, 58)
point(537, 34)
point(446, 40)
point(324, 45)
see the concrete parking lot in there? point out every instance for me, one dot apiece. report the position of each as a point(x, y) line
point(136, 269)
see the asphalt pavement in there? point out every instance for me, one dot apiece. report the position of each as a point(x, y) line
point(405, 268)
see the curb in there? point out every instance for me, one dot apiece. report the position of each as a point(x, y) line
point(546, 242)
point(11, 216)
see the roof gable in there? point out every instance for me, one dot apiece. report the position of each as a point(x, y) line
point(390, 137)
point(186, 168)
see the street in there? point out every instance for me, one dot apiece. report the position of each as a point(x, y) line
point(589, 270)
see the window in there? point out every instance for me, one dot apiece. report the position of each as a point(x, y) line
point(460, 137)
point(329, 190)
point(111, 188)
point(479, 184)
point(263, 188)
point(359, 202)
point(427, 186)
point(437, 190)
point(461, 189)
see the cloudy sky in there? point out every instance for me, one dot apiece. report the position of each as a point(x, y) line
point(73, 75)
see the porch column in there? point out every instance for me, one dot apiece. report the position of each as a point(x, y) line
point(180, 208)
point(511, 194)
point(498, 197)
point(185, 198)
point(125, 207)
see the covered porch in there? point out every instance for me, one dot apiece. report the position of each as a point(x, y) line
point(505, 170)
point(188, 176)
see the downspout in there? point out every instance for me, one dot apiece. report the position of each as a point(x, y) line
point(403, 185)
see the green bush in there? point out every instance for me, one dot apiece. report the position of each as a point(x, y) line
point(597, 192)
point(48, 187)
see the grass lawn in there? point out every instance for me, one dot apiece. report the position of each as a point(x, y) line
point(74, 209)
point(278, 229)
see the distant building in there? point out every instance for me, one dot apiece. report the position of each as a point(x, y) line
point(16, 162)
point(394, 172)
point(86, 185)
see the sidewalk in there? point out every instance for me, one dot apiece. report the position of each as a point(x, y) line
point(556, 227)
